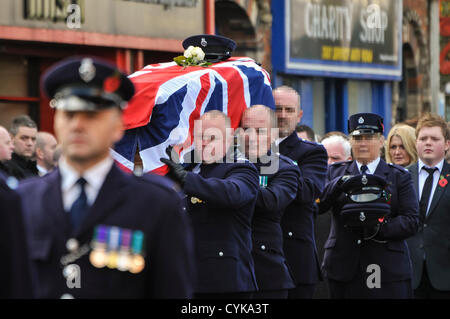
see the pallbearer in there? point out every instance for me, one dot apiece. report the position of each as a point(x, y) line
point(278, 182)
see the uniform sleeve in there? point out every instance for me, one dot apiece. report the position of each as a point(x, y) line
point(236, 190)
point(14, 269)
point(280, 191)
point(330, 197)
point(404, 222)
point(172, 267)
point(313, 168)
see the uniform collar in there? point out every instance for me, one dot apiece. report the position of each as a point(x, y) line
point(95, 176)
point(372, 166)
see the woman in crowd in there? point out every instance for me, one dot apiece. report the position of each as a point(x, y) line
point(400, 147)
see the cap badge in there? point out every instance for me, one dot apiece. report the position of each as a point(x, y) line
point(87, 70)
point(364, 180)
point(203, 42)
point(361, 120)
point(362, 217)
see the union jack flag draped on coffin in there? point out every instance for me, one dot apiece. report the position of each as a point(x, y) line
point(169, 98)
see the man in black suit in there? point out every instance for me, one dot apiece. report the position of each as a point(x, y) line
point(93, 230)
point(430, 247)
point(278, 181)
point(23, 132)
point(298, 220)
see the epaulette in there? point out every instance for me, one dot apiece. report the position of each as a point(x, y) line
point(157, 181)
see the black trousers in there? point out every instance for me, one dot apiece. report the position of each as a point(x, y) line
point(426, 291)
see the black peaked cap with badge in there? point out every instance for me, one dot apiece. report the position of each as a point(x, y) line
point(86, 84)
point(365, 123)
point(367, 200)
point(217, 48)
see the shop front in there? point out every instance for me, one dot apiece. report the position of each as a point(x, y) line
point(342, 56)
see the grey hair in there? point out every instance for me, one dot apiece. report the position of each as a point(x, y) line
point(341, 140)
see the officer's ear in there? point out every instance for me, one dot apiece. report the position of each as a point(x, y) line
point(119, 129)
point(381, 140)
point(39, 153)
point(300, 115)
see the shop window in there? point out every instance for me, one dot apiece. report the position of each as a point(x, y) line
point(14, 97)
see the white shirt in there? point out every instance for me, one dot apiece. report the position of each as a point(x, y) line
point(423, 174)
point(95, 176)
point(42, 171)
point(371, 167)
point(279, 140)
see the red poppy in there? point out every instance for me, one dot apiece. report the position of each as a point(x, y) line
point(443, 182)
point(111, 84)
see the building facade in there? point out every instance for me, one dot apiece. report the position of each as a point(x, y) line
point(349, 56)
point(34, 34)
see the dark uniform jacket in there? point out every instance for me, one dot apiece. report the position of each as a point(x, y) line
point(298, 220)
point(346, 254)
point(14, 268)
point(276, 191)
point(148, 204)
point(433, 238)
point(3, 169)
point(221, 199)
point(21, 168)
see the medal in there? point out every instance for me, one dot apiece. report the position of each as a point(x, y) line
point(195, 200)
point(263, 181)
point(113, 247)
point(98, 256)
point(137, 264)
point(124, 261)
point(137, 260)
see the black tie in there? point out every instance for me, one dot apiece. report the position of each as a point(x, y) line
point(80, 206)
point(426, 191)
point(364, 168)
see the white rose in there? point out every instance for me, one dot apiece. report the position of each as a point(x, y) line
point(188, 52)
point(198, 53)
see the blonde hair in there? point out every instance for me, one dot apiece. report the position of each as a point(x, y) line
point(408, 136)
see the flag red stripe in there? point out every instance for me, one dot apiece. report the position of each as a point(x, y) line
point(236, 96)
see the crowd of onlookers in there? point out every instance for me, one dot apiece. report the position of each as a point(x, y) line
point(399, 148)
point(25, 152)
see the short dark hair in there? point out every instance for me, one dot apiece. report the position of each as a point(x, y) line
point(309, 131)
point(22, 120)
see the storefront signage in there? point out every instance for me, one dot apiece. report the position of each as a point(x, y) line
point(342, 38)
